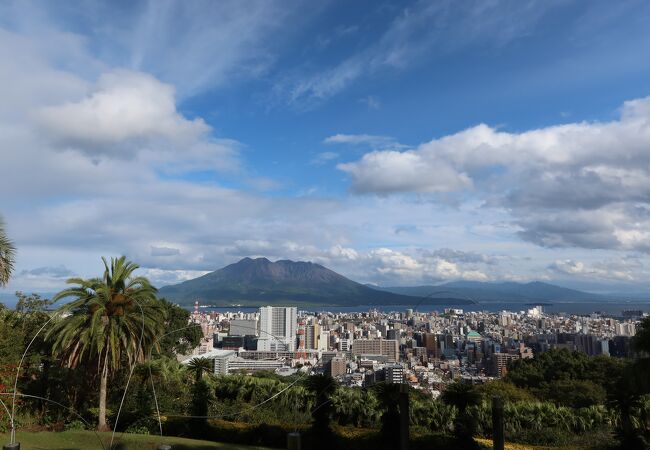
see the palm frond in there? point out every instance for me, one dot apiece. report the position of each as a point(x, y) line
point(7, 255)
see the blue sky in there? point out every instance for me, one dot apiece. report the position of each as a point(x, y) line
point(396, 142)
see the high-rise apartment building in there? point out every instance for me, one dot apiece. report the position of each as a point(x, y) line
point(385, 347)
point(277, 328)
point(324, 340)
point(312, 336)
point(337, 366)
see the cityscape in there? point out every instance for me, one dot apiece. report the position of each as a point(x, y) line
point(425, 350)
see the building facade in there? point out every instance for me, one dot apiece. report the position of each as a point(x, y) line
point(278, 326)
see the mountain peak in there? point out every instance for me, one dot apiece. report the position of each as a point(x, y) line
point(261, 281)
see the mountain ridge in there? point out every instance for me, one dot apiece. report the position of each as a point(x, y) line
point(261, 281)
point(499, 291)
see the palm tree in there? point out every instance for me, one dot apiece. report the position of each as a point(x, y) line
point(388, 395)
point(462, 396)
point(7, 252)
point(111, 320)
point(199, 365)
point(322, 387)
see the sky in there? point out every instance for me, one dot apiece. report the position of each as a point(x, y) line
point(397, 143)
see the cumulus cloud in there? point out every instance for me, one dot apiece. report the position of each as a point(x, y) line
point(462, 256)
point(420, 268)
point(132, 115)
point(160, 277)
point(123, 106)
point(386, 172)
point(581, 184)
point(621, 269)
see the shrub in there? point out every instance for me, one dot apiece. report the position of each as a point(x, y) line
point(75, 425)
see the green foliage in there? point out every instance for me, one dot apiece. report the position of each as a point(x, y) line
point(432, 415)
point(180, 337)
point(7, 255)
point(575, 393)
point(31, 303)
point(568, 378)
point(200, 365)
point(508, 391)
point(388, 395)
point(357, 407)
point(75, 425)
point(113, 321)
point(322, 387)
point(461, 395)
point(135, 429)
point(641, 340)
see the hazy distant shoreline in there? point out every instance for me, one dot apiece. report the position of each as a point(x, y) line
point(583, 308)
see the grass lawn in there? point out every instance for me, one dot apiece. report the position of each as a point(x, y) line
point(83, 440)
point(487, 444)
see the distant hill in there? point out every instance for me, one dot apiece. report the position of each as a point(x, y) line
point(499, 292)
point(260, 282)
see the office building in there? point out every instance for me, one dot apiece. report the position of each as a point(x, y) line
point(384, 347)
point(394, 373)
point(337, 366)
point(278, 326)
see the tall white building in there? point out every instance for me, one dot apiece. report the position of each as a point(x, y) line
point(278, 326)
point(324, 340)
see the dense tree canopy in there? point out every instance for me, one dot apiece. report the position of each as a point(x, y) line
point(180, 336)
point(555, 371)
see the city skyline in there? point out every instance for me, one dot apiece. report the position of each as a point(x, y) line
point(397, 143)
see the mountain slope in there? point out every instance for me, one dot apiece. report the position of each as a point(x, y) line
point(260, 281)
point(507, 291)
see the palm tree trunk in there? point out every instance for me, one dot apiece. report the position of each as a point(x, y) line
point(102, 425)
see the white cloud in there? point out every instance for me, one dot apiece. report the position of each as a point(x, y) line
point(123, 106)
point(417, 268)
point(196, 46)
point(201, 45)
point(385, 172)
point(362, 139)
point(159, 277)
point(580, 184)
point(621, 269)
